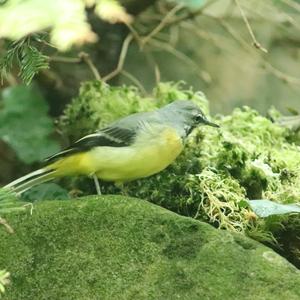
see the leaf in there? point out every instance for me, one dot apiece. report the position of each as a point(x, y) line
point(32, 61)
point(194, 4)
point(112, 12)
point(66, 19)
point(29, 58)
point(25, 124)
point(46, 191)
point(264, 208)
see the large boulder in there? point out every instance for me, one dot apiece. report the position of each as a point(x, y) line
point(123, 248)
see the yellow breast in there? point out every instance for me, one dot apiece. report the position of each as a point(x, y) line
point(150, 154)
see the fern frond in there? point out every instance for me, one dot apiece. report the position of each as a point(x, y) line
point(27, 56)
point(32, 61)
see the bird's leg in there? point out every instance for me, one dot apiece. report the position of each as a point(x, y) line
point(97, 185)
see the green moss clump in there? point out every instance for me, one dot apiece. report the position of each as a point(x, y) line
point(114, 247)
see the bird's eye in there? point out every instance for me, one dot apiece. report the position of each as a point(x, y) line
point(198, 118)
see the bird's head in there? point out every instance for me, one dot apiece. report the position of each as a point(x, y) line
point(186, 115)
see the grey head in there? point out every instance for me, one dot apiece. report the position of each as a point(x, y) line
point(185, 115)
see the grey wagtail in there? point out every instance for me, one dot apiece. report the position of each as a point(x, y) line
point(133, 147)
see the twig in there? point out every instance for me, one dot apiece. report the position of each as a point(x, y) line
point(134, 80)
point(256, 44)
point(157, 73)
point(281, 75)
point(235, 36)
point(168, 21)
point(71, 60)
point(162, 24)
point(82, 57)
point(135, 34)
point(269, 67)
point(152, 62)
point(6, 225)
point(182, 57)
point(267, 8)
point(86, 58)
point(174, 35)
point(122, 57)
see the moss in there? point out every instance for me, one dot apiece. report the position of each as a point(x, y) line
point(123, 248)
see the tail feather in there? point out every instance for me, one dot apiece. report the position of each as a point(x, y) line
point(24, 183)
point(77, 164)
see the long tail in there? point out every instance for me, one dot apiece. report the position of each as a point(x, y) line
point(76, 164)
point(24, 183)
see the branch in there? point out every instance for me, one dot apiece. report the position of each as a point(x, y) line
point(82, 57)
point(134, 80)
point(256, 44)
point(86, 58)
point(162, 24)
point(68, 60)
point(281, 75)
point(122, 58)
point(168, 21)
point(167, 47)
point(270, 68)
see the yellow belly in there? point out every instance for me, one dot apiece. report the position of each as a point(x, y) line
point(145, 157)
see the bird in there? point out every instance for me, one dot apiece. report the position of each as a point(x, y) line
point(133, 147)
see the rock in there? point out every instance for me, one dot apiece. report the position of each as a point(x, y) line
point(123, 248)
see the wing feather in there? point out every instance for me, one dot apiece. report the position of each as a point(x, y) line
point(113, 136)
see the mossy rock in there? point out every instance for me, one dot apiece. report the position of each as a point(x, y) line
point(124, 248)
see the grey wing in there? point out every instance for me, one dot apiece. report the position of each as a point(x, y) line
point(112, 136)
point(119, 134)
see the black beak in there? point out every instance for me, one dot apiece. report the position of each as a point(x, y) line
point(211, 124)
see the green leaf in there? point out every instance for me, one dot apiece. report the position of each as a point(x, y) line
point(28, 57)
point(32, 61)
point(194, 4)
point(25, 124)
point(265, 208)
